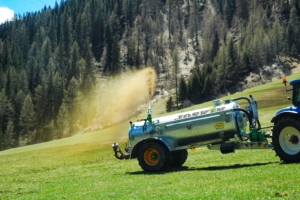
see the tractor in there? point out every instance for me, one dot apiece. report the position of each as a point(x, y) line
point(162, 143)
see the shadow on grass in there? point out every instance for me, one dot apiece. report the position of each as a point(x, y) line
point(210, 168)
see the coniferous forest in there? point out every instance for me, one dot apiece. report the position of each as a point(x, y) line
point(50, 60)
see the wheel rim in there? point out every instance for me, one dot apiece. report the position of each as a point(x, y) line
point(151, 156)
point(289, 140)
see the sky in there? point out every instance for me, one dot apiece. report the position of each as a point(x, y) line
point(10, 7)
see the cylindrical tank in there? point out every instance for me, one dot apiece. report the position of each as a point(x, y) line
point(210, 125)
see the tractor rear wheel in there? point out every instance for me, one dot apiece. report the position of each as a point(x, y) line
point(179, 158)
point(286, 139)
point(154, 157)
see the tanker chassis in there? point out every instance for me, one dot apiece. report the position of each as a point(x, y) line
point(163, 142)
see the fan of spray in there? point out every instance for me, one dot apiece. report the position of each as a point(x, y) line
point(122, 96)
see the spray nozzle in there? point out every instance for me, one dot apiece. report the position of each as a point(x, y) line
point(149, 117)
point(149, 109)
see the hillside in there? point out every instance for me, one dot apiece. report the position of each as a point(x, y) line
point(55, 64)
point(83, 166)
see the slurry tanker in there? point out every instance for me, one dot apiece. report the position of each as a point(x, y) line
point(161, 143)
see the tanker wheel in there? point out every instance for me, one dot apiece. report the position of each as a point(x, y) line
point(154, 157)
point(286, 139)
point(179, 158)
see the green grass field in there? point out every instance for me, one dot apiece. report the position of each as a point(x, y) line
point(83, 166)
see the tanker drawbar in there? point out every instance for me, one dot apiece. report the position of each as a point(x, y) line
point(160, 143)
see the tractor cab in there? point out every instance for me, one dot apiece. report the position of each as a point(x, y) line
point(296, 92)
point(292, 111)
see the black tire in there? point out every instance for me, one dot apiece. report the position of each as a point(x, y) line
point(286, 139)
point(154, 156)
point(179, 158)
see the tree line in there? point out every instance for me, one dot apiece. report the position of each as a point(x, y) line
point(48, 67)
point(240, 37)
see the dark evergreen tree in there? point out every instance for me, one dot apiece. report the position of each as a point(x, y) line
point(242, 9)
point(27, 121)
point(63, 122)
point(115, 55)
point(231, 60)
point(169, 104)
point(97, 37)
point(74, 70)
point(4, 111)
point(70, 102)
point(175, 74)
point(40, 103)
point(229, 11)
point(12, 82)
point(109, 46)
point(183, 90)
point(6, 55)
point(18, 104)
point(130, 13)
point(194, 88)
point(46, 51)
point(9, 135)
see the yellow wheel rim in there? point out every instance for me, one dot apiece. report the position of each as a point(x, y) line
point(151, 156)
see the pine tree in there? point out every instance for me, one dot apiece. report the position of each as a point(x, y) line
point(46, 51)
point(67, 36)
point(130, 14)
point(28, 120)
point(12, 82)
point(229, 11)
point(182, 90)
point(6, 55)
point(223, 72)
point(97, 37)
point(74, 70)
point(40, 105)
point(63, 122)
point(242, 9)
point(169, 104)
point(53, 33)
point(138, 35)
point(211, 38)
point(18, 104)
point(3, 111)
point(131, 52)
point(23, 81)
point(194, 88)
point(9, 135)
point(288, 39)
point(257, 55)
point(231, 57)
point(175, 74)
point(70, 102)
point(1, 140)
point(194, 24)
point(115, 55)
point(276, 38)
point(170, 10)
point(17, 57)
point(89, 69)
point(58, 93)
point(109, 43)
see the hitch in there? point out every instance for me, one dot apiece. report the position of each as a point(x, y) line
point(118, 153)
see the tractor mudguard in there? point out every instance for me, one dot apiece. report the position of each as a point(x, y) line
point(292, 110)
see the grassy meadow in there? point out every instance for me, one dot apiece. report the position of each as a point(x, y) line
point(83, 166)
